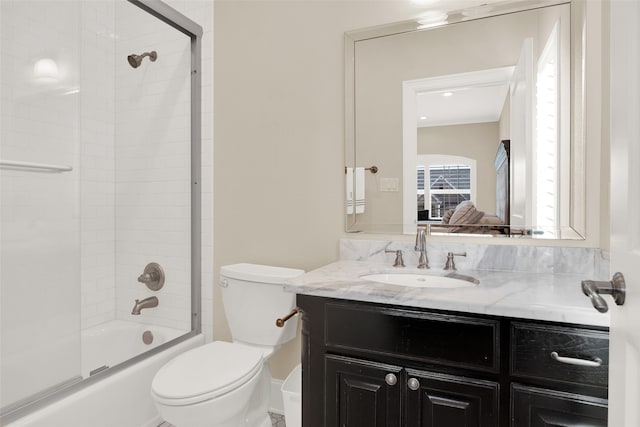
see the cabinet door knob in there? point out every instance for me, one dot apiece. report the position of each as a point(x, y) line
point(413, 384)
point(391, 379)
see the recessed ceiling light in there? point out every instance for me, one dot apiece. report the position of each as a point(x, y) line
point(423, 117)
point(447, 94)
point(431, 18)
point(45, 70)
point(478, 11)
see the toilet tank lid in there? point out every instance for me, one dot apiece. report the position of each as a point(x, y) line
point(259, 273)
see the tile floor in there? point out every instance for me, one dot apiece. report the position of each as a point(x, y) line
point(276, 421)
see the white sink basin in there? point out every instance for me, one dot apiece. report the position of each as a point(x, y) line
point(422, 280)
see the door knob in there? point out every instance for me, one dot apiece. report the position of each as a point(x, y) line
point(615, 287)
point(391, 379)
point(413, 384)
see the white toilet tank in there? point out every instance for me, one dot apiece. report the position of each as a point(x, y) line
point(253, 298)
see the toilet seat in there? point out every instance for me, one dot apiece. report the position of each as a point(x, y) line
point(205, 373)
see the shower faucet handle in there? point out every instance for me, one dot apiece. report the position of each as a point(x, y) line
point(153, 276)
point(149, 277)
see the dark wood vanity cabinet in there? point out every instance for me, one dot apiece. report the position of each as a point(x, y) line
point(375, 365)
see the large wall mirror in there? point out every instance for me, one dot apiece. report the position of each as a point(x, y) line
point(468, 122)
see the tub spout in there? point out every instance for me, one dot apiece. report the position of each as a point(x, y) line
point(144, 303)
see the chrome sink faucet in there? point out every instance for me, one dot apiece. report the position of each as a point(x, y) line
point(421, 246)
point(144, 303)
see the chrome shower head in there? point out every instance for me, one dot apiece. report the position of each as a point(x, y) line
point(136, 60)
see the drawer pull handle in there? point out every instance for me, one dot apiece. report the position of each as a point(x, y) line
point(596, 362)
point(413, 384)
point(390, 379)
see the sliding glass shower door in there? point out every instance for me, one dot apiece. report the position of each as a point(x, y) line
point(39, 203)
point(99, 179)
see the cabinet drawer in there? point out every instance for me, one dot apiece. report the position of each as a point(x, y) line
point(536, 407)
point(443, 339)
point(559, 354)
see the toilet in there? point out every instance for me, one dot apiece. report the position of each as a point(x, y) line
point(224, 384)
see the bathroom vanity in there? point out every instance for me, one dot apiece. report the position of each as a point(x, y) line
point(383, 355)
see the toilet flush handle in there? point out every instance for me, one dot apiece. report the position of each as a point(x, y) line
point(280, 321)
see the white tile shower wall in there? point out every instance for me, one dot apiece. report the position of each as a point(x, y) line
point(97, 196)
point(153, 164)
point(39, 211)
point(593, 263)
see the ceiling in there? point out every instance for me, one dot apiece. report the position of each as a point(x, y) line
point(462, 105)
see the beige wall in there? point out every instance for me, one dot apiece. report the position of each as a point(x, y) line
point(279, 117)
point(478, 141)
point(278, 157)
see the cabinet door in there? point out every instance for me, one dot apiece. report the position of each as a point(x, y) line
point(440, 400)
point(361, 393)
point(534, 407)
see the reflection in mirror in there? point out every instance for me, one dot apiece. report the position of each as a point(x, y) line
point(469, 124)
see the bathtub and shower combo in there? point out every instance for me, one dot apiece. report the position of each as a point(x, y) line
point(100, 193)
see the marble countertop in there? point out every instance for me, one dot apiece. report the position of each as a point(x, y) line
point(555, 297)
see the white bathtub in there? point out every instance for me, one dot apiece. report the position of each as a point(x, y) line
point(114, 342)
point(121, 399)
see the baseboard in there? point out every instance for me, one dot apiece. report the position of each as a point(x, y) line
point(276, 405)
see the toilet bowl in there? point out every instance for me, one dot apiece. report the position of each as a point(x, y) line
point(224, 384)
point(218, 378)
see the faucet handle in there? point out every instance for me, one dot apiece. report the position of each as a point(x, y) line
point(153, 276)
point(450, 264)
point(399, 262)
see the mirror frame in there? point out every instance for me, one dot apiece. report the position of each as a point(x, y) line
point(576, 228)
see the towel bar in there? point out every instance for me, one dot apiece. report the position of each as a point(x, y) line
point(39, 166)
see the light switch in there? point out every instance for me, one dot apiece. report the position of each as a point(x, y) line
point(389, 184)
